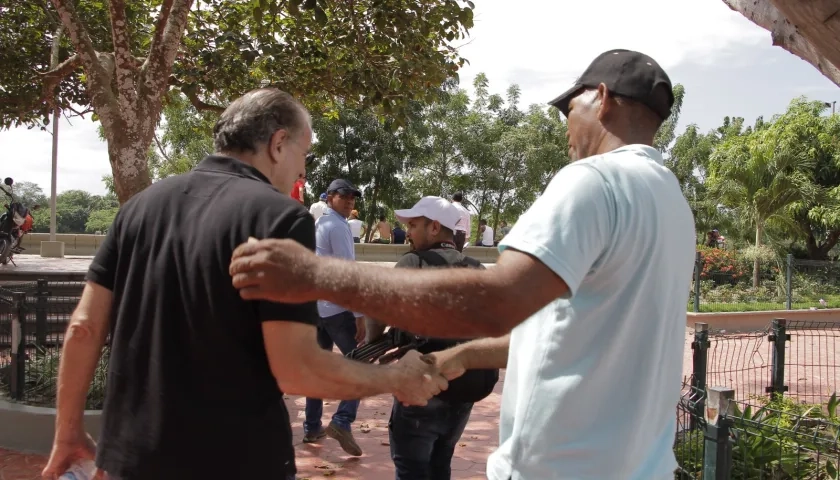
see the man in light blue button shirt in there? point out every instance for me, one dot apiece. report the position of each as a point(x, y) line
point(337, 325)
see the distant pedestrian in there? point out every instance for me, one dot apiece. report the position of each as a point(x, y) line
point(462, 234)
point(319, 208)
point(357, 227)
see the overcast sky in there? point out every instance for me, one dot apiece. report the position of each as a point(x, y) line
point(726, 64)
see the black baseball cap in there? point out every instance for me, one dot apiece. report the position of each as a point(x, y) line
point(343, 187)
point(628, 74)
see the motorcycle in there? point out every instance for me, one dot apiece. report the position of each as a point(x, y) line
point(14, 224)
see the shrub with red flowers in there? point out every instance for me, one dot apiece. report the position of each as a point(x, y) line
point(722, 266)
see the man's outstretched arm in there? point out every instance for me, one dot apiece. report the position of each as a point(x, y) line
point(435, 302)
point(301, 367)
point(477, 354)
point(553, 247)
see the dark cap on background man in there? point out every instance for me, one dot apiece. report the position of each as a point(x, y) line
point(626, 73)
point(343, 187)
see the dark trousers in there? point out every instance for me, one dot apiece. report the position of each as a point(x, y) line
point(460, 240)
point(339, 330)
point(423, 439)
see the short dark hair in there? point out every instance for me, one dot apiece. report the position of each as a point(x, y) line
point(253, 118)
point(458, 197)
point(482, 222)
point(382, 218)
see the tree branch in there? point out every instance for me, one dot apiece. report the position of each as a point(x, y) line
point(101, 95)
point(192, 96)
point(124, 69)
point(160, 24)
point(52, 78)
point(158, 65)
point(785, 34)
point(199, 104)
point(161, 149)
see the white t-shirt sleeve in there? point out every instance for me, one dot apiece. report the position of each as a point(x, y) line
point(569, 226)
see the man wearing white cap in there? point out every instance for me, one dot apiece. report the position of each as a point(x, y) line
point(423, 439)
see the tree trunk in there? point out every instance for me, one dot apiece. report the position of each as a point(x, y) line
point(125, 92)
point(371, 214)
point(128, 154)
point(759, 229)
point(810, 29)
point(819, 251)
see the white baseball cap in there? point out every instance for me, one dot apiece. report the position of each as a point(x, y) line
point(434, 208)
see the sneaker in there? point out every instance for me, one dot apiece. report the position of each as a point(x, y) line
point(313, 437)
point(345, 439)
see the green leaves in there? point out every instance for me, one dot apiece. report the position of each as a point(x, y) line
point(316, 49)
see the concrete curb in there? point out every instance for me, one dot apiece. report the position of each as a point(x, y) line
point(31, 429)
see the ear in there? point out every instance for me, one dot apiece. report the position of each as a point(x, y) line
point(277, 141)
point(604, 106)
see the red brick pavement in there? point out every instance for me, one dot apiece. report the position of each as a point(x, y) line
point(326, 460)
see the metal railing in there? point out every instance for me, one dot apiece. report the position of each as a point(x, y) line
point(775, 417)
point(33, 319)
point(793, 358)
point(726, 285)
point(732, 440)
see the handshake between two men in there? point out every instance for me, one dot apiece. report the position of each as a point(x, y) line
point(285, 271)
point(421, 377)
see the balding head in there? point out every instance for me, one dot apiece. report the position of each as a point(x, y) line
point(270, 130)
point(252, 119)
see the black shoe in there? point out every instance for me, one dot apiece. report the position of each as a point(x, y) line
point(313, 437)
point(345, 439)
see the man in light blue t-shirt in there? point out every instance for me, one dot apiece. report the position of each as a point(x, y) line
point(586, 301)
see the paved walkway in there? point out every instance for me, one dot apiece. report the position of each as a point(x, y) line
point(326, 460)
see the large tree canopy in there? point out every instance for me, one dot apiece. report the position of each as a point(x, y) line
point(119, 59)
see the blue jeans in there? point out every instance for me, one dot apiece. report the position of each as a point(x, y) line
point(339, 330)
point(423, 439)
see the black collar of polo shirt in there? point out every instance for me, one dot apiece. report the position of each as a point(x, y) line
point(232, 166)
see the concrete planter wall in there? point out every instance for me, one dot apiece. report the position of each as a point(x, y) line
point(31, 429)
point(757, 321)
point(365, 252)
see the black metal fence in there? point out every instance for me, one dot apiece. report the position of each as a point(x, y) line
point(33, 319)
point(775, 417)
point(794, 358)
point(732, 440)
point(723, 284)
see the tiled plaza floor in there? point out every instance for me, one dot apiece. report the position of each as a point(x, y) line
point(326, 460)
point(315, 461)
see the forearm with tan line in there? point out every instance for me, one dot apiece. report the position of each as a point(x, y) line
point(83, 343)
point(330, 376)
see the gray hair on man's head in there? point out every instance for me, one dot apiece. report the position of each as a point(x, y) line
point(253, 118)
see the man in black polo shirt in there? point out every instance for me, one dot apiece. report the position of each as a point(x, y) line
point(195, 373)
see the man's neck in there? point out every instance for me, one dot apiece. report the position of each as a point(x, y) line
point(610, 141)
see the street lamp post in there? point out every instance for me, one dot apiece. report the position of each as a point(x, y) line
point(54, 248)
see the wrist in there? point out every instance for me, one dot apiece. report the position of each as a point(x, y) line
point(69, 431)
point(462, 355)
point(391, 378)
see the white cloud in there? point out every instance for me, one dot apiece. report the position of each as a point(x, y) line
point(546, 45)
point(82, 156)
point(542, 45)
